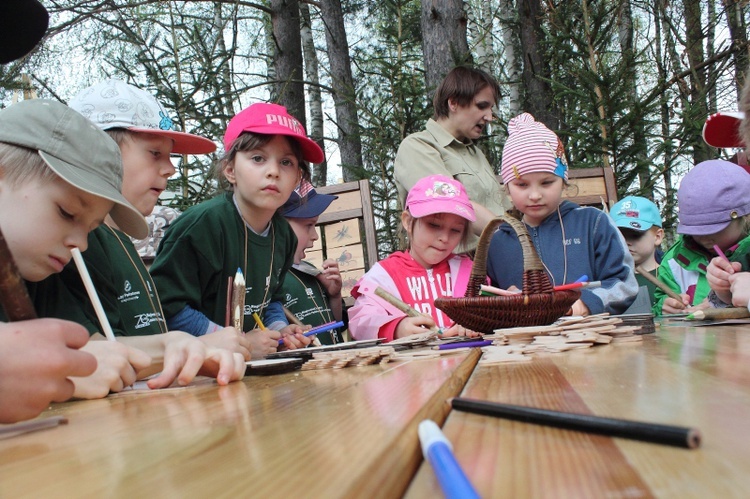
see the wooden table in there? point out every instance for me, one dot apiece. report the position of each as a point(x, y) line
point(689, 376)
point(352, 432)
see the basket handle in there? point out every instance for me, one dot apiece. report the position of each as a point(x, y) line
point(531, 260)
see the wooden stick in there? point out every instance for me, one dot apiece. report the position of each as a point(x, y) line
point(409, 311)
point(228, 312)
point(719, 314)
point(93, 295)
point(659, 284)
point(649, 432)
point(14, 296)
point(291, 317)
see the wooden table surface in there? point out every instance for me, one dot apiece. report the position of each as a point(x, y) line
point(688, 376)
point(352, 432)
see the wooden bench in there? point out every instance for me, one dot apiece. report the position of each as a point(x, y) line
point(347, 233)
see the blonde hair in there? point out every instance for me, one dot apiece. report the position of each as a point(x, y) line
point(249, 141)
point(19, 165)
point(412, 222)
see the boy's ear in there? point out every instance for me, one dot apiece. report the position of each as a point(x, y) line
point(658, 236)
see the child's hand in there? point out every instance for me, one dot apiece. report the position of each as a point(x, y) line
point(579, 308)
point(330, 278)
point(230, 339)
point(117, 366)
point(185, 357)
point(672, 306)
point(458, 330)
point(263, 342)
point(413, 325)
point(293, 337)
point(718, 273)
point(740, 289)
point(701, 306)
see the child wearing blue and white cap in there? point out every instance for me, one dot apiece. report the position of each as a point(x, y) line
point(640, 223)
point(714, 208)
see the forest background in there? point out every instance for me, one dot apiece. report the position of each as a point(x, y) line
point(627, 84)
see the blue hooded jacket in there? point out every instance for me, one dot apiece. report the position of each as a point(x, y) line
point(595, 248)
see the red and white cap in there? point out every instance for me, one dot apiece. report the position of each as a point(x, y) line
point(722, 129)
point(116, 104)
point(272, 119)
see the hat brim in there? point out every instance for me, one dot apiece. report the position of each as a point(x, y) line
point(125, 215)
point(184, 143)
point(701, 230)
point(723, 129)
point(22, 24)
point(313, 207)
point(433, 207)
point(634, 224)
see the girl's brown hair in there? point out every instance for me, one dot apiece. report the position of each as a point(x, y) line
point(249, 141)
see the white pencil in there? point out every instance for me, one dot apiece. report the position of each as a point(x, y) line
point(93, 296)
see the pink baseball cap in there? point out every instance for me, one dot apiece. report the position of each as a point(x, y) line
point(272, 119)
point(723, 129)
point(439, 194)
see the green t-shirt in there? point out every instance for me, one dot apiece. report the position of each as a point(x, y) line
point(52, 299)
point(206, 245)
point(305, 297)
point(122, 282)
point(642, 281)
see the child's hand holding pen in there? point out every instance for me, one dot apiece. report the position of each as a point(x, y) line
point(293, 337)
point(719, 272)
point(413, 325)
point(458, 330)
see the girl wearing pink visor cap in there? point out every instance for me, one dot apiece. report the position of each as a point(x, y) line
point(436, 219)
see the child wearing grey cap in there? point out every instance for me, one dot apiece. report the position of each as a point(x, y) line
point(714, 204)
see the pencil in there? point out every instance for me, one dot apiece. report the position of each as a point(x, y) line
point(14, 296)
point(659, 284)
point(238, 301)
point(258, 321)
point(649, 432)
point(405, 308)
point(93, 295)
point(719, 314)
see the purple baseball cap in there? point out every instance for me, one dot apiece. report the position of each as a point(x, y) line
point(710, 196)
point(439, 194)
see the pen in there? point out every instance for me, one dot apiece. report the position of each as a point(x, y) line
point(320, 329)
point(583, 278)
point(720, 253)
point(463, 344)
point(649, 432)
point(238, 301)
point(439, 452)
point(578, 284)
point(258, 321)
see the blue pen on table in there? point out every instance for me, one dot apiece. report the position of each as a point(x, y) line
point(464, 344)
point(320, 329)
point(439, 452)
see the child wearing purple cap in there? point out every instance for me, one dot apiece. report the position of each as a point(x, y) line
point(311, 294)
point(266, 155)
point(436, 219)
point(572, 241)
point(714, 204)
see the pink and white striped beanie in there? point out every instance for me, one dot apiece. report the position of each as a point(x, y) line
point(531, 147)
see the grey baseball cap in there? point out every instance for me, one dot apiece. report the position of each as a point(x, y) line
point(76, 150)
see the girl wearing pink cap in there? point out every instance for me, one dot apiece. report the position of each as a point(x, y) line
point(436, 219)
point(266, 155)
point(571, 240)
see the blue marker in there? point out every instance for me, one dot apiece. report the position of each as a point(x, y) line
point(320, 329)
point(583, 278)
point(439, 452)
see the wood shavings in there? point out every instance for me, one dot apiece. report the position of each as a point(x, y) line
point(350, 358)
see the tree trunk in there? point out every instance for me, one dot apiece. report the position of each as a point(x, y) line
point(344, 94)
point(538, 98)
point(508, 20)
point(443, 39)
point(710, 37)
point(288, 61)
point(696, 114)
point(668, 154)
point(315, 102)
point(738, 32)
point(479, 25)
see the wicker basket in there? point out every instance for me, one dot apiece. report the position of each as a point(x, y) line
point(537, 305)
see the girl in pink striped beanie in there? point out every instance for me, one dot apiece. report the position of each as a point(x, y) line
point(572, 241)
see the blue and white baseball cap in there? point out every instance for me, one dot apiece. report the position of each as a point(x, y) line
point(636, 213)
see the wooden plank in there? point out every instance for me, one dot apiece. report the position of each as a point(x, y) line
point(348, 257)
point(341, 234)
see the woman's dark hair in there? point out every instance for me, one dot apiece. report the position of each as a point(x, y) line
point(462, 84)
